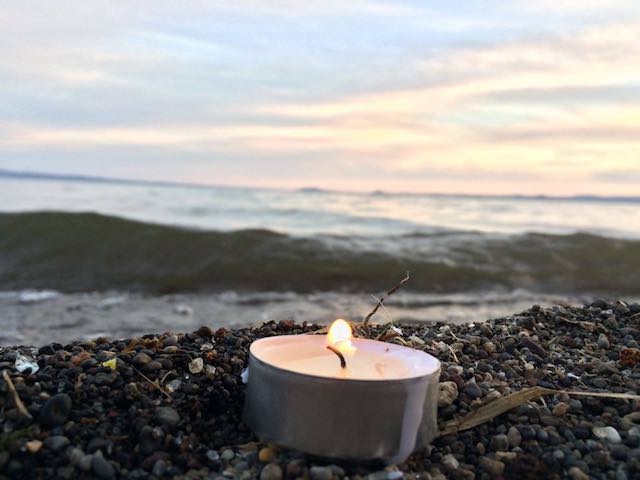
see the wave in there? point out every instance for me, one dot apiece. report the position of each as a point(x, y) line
point(87, 251)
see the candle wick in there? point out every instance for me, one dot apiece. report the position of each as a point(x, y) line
point(343, 362)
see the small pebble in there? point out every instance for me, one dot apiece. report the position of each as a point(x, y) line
point(271, 471)
point(603, 341)
point(576, 474)
point(320, 473)
point(101, 467)
point(607, 433)
point(266, 455)
point(448, 393)
point(33, 446)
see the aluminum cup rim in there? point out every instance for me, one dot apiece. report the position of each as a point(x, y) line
point(372, 382)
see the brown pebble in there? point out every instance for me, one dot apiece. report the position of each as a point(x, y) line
point(79, 358)
point(266, 455)
point(33, 446)
point(560, 409)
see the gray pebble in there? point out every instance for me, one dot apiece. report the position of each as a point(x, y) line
point(320, 473)
point(514, 437)
point(472, 390)
point(56, 410)
point(56, 442)
point(271, 471)
point(603, 341)
point(499, 443)
point(101, 467)
point(167, 416)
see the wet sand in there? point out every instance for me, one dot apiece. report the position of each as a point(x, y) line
point(36, 318)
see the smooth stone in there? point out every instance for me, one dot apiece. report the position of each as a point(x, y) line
point(515, 439)
point(472, 390)
point(196, 365)
point(271, 471)
point(141, 359)
point(450, 461)
point(576, 474)
point(384, 475)
point(227, 455)
point(33, 446)
point(75, 456)
point(212, 455)
point(56, 442)
point(266, 455)
point(167, 416)
point(603, 341)
point(101, 467)
point(493, 467)
point(56, 410)
point(499, 443)
point(448, 394)
point(320, 473)
point(560, 409)
point(607, 433)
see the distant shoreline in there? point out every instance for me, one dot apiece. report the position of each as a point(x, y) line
point(45, 176)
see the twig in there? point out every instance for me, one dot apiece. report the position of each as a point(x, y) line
point(16, 398)
point(343, 362)
point(166, 394)
point(383, 298)
point(453, 354)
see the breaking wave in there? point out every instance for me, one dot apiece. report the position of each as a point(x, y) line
point(87, 251)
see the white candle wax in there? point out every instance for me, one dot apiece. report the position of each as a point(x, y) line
point(369, 360)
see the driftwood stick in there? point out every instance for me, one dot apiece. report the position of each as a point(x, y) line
point(365, 323)
point(14, 395)
point(158, 387)
point(343, 362)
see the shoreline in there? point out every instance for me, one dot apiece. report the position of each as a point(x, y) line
point(35, 317)
point(91, 420)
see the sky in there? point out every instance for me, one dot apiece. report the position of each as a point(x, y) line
point(489, 97)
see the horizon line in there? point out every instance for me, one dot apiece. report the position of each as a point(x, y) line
point(76, 177)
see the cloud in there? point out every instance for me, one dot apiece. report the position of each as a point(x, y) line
point(382, 91)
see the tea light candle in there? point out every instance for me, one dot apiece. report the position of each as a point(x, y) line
point(380, 406)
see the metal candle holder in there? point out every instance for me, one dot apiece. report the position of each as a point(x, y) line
point(343, 418)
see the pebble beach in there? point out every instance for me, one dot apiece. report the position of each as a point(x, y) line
point(169, 405)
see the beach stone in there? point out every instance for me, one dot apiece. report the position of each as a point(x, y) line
point(450, 461)
point(495, 468)
point(499, 443)
point(212, 455)
point(448, 393)
point(320, 473)
point(56, 410)
point(101, 467)
point(167, 416)
point(152, 366)
point(384, 475)
point(266, 454)
point(33, 446)
point(514, 437)
point(560, 409)
point(472, 390)
point(603, 341)
point(196, 365)
point(271, 471)
point(607, 433)
point(227, 455)
point(576, 474)
point(141, 359)
point(294, 469)
point(159, 468)
point(56, 442)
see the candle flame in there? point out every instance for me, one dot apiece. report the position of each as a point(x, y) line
point(339, 336)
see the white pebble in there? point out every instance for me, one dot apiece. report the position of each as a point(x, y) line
point(607, 433)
